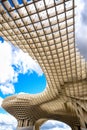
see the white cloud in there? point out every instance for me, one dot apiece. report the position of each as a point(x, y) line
point(81, 26)
point(6, 71)
point(55, 125)
point(12, 63)
point(26, 63)
point(8, 89)
point(7, 122)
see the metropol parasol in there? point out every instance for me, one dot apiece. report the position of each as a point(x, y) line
point(46, 30)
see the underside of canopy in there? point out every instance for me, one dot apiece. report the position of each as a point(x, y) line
point(46, 30)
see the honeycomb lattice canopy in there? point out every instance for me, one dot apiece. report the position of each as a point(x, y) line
point(46, 30)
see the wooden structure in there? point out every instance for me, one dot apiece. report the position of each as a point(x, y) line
point(46, 30)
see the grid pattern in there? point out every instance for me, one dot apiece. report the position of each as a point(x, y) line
point(45, 29)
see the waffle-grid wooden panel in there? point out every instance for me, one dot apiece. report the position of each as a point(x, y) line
point(46, 30)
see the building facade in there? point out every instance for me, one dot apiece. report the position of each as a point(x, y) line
point(46, 30)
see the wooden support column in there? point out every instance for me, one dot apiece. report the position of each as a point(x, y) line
point(25, 125)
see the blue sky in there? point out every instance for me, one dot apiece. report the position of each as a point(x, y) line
point(19, 73)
